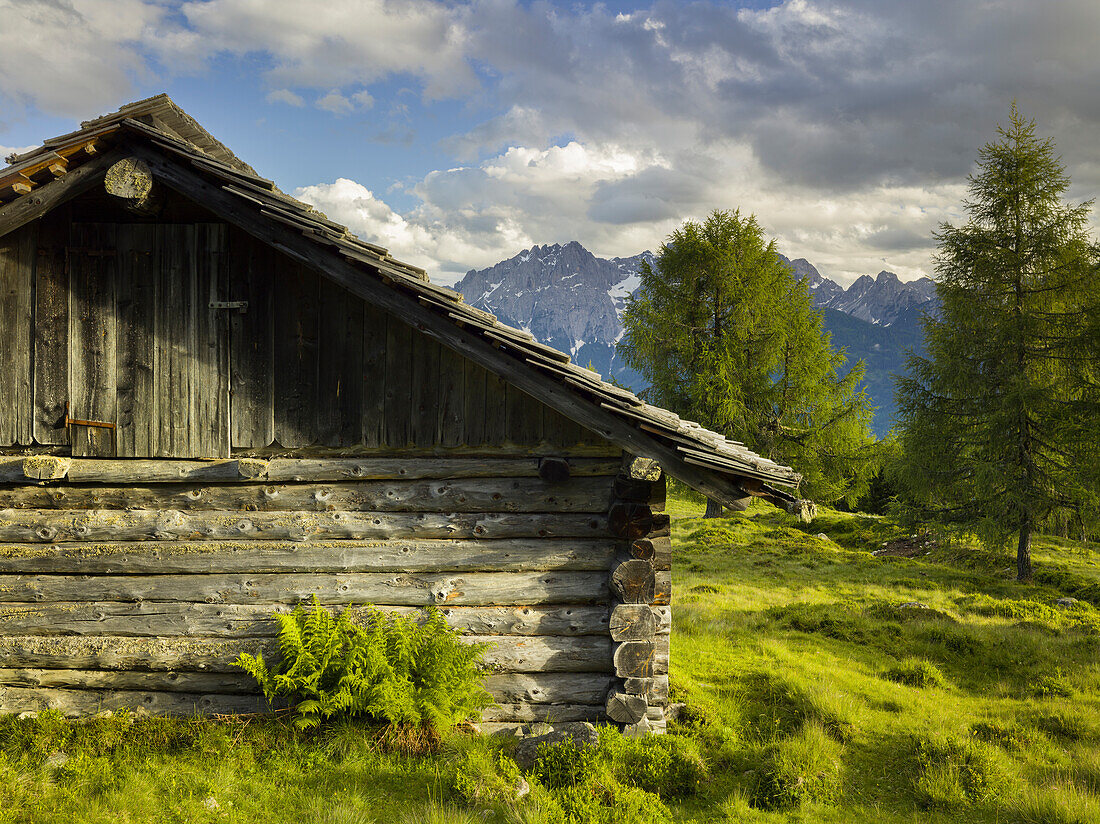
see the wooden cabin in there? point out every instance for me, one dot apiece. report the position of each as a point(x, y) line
point(215, 403)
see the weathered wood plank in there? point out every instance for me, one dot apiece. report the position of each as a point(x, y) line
point(543, 712)
point(306, 469)
point(177, 294)
point(251, 342)
point(473, 402)
point(75, 703)
point(506, 688)
point(507, 653)
point(156, 557)
point(399, 361)
point(340, 366)
point(460, 495)
point(496, 410)
point(255, 620)
point(136, 340)
point(451, 403)
point(51, 330)
point(398, 589)
point(59, 526)
point(524, 417)
point(374, 380)
point(18, 253)
point(209, 427)
point(92, 332)
point(296, 356)
point(425, 391)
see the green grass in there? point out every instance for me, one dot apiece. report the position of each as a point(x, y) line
point(812, 693)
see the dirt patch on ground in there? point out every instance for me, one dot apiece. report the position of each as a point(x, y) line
point(912, 547)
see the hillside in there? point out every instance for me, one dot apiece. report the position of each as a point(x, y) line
point(572, 300)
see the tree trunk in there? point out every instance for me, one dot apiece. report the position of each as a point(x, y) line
point(714, 509)
point(1023, 554)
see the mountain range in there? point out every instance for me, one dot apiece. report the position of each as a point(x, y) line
point(572, 300)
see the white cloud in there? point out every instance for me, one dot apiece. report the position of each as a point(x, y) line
point(8, 151)
point(332, 44)
point(334, 102)
point(73, 56)
point(285, 96)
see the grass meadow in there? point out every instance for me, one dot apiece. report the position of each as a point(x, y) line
point(821, 683)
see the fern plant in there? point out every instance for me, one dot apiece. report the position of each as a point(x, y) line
point(393, 669)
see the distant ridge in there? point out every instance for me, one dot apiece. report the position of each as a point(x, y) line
point(572, 300)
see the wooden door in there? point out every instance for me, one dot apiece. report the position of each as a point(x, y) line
point(148, 351)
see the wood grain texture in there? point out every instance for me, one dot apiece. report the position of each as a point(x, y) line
point(209, 426)
point(340, 376)
point(59, 526)
point(460, 495)
point(507, 653)
point(76, 703)
point(140, 472)
point(251, 341)
point(92, 333)
point(296, 356)
point(18, 253)
point(506, 688)
point(398, 589)
point(153, 557)
point(145, 619)
point(136, 340)
point(51, 330)
point(177, 293)
point(399, 413)
point(374, 379)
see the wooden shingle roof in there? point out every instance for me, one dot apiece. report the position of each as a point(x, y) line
point(185, 157)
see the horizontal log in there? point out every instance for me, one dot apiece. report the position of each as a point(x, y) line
point(457, 495)
point(428, 555)
point(507, 653)
point(664, 618)
point(639, 491)
point(630, 520)
point(633, 582)
point(506, 688)
point(45, 467)
point(632, 622)
point(59, 526)
point(75, 703)
point(655, 689)
point(662, 588)
point(635, 659)
point(550, 713)
point(549, 688)
point(256, 621)
point(642, 469)
point(139, 471)
point(397, 589)
point(195, 682)
point(657, 551)
point(626, 709)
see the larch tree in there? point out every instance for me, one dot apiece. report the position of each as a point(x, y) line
point(726, 334)
point(998, 423)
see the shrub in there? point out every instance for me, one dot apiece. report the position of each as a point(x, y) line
point(914, 672)
point(1049, 686)
point(803, 768)
point(394, 669)
point(669, 765)
point(953, 772)
point(567, 764)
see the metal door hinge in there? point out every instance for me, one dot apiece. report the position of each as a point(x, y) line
point(238, 305)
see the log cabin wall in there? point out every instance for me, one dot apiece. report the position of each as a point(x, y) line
point(309, 445)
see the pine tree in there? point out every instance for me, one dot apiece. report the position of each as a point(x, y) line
point(726, 335)
point(998, 424)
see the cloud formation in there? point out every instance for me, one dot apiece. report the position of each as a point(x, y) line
point(847, 126)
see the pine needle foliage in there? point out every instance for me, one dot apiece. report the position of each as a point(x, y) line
point(393, 669)
point(726, 334)
point(1000, 422)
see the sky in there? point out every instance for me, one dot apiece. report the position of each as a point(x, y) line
point(457, 134)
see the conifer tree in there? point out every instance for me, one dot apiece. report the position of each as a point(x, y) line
point(727, 335)
point(998, 423)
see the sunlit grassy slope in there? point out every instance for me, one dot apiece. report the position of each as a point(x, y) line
point(945, 690)
point(822, 684)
